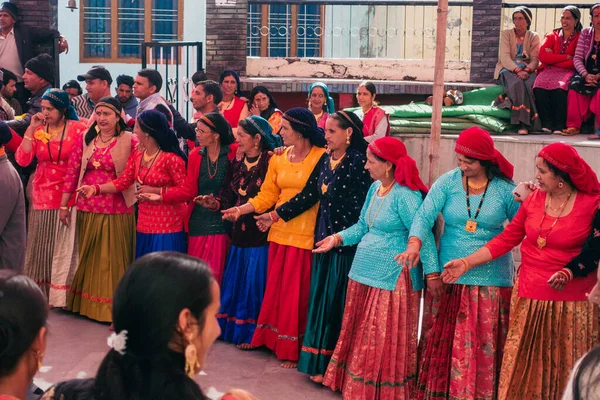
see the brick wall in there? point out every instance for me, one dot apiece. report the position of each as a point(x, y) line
point(34, 12)
point(226, 37)
point(487, 15)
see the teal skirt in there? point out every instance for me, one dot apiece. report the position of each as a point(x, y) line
point(329, 279)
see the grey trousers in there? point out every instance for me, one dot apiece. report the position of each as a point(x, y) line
point(12, 218)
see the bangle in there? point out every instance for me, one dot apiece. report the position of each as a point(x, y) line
point(528, 70)
point(96, 190)
point(64, 208)
point(567, 274)
point(338, 239)
point(433, 276)
point(27, 138)
point(467, 265)
point(274, 217)
point(415, 240)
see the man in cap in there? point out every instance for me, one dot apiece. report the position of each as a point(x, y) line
point(125, 95)
point(38, 77)
point(97, 83)
point(17, 42)
point(73, 88)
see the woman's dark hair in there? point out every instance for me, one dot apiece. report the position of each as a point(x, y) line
point(219, 125)
point(586, 381)
point(156, 124)
point(23, 312)
point(370, 86)
point(560, 173)
point(121, 125)
point(147, 304)
point(347, 119)
point(225, 74)
point(493, 171)
point(272, 105)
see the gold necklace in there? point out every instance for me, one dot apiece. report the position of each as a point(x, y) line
point(105, 141)
point(385, 190)
point(147, 157)
point(541, 241)
point(559, 207)
point(319, 115)
point(96, 163)
point(477, 187)
point(371, 221)
point(250, 165)
point(54, 133)
point(333, 164)
point(211, 175)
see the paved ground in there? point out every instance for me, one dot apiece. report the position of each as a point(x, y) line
point(77, 345)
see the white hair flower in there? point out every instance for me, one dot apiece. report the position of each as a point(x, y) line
point(118, 342)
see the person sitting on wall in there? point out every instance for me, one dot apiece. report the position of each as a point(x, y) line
point(18, 43)
point(124, 91)
point(73, 88)
point(97, 83)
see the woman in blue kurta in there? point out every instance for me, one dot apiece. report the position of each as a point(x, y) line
point(463, 341)
point(339, 184)
point(375, 356)
point(245, 274)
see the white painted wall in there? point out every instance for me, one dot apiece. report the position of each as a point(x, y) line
point(194, 12)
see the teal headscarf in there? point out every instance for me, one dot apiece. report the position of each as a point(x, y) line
point(328, 106)
point(60, 100)
point(260, 126)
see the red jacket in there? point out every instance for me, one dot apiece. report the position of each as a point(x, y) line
point(553, 42)
point(190, 190)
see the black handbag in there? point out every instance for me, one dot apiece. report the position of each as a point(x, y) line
point(579, 85)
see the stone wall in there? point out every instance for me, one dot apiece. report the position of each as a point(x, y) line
point(487, 15)
point(225, 36)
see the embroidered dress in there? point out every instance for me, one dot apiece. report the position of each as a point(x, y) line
point(463, 341)
point(159, 225)
point(376, 354)
point(341, 193)
point(281, 324)
point(105, 230)
point(549, 330)
point(245, 276)
point(53, 265)
point(208, 238)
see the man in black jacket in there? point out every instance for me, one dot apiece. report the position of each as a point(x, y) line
point(17, 43)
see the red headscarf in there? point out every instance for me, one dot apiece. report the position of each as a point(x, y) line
point(566, 158)
point(478, 144)
point(394, 151)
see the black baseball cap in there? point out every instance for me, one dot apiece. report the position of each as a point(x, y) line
point(97, 72)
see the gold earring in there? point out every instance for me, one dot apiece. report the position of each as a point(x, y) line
point(191, 360)
point(256, 146)
point(39, 356)
point(387, 173)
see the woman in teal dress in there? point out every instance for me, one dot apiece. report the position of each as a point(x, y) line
point(464, 339)
point(375, 356)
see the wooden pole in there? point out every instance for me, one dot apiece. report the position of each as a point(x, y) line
point(438, 91)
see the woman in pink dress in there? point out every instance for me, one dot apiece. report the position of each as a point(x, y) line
point(50, 139)
point(376, 122)
point(105, 223)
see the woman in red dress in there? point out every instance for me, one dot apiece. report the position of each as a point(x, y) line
point(233, 107)
point(376, 122)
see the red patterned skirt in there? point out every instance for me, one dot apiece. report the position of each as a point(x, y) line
point(212, 249)
point(376, 354)
point(284, 311)
point(464, 343)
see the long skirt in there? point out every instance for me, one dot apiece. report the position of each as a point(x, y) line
point(581, 107)
point(520, 100)
point(328, 283)
point(212, 249)
point(463, 349)
point(106, 248)
point(146, 243)
point(284, 310)
point(244, 283)
point(376, 354)
point(545, 340)
point(51, 257)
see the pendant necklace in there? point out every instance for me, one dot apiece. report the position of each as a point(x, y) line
point(471, 225)
point(209, 163)
point(146, 160)
point(333, 164)
point(249, 165)
point(62, 136)
point(542, 241)
point(96, 163)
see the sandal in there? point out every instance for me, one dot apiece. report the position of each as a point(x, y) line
point(522, 131)
point(570, 132)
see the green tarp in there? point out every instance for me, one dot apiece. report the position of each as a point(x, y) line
point(476, 110)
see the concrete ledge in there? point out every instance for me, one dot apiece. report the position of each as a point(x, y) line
point(290, 84)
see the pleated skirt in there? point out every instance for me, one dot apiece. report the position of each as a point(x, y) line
point(242, 291)
point(328, 283)
point(106, 248)
point(212, 249)
point(545, 340)
point(376, 353)
point(284, 310)
point(51, 257)
point(146, 243)
point(463, 349)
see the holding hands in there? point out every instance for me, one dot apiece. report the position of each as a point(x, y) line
point(209, 202)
